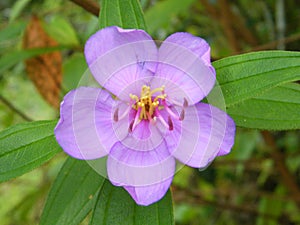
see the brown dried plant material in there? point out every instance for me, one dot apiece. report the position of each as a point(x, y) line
point(44, 70)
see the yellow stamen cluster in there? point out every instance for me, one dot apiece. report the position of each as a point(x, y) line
point(146, 103)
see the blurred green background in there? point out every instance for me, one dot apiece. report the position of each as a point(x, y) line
point(258, 183)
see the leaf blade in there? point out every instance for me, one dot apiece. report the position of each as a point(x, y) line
point(71, 196)
point(125, 14)
point(10, 59)
point(62, 31)
point(115, 206)
point(276, 109)
point(161, 14)
point(22, 148)
point(74, 67)
point(12, 31)
point(249, 75)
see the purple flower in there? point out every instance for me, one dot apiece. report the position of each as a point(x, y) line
point(148, 113)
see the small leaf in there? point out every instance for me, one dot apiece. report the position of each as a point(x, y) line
point(115, 206)
point(62, 31)
point(12, 31)
point(74, 67)
point(24, 147)
point(161, 14)
point(122, 13)
point(276, 109)
point(45, 70)
point(10, 59)
point(246, 76)
point(72, 195)
point(17, 8)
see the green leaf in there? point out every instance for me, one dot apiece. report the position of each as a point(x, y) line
point(72, 195)
point(12, 31)
point(249, 75)
point(74, 67)
point(10, 59)
point(17, 9)
point(115, 206)
point(122, 13)
point(161, 14)
point(276, 109)
point(24, 147)
point(62, 31)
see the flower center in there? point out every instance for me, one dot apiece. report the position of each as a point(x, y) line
point(148, 107)
point(146, 104)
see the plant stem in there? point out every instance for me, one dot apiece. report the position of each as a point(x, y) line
point(287, 177)
point(13, 108)
point(88, 5)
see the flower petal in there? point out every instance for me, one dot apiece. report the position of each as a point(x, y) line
point(84, 130)
point(206, 133)
point(128, 167)
point(147, 195)
point(117, 57)
point(184, 60)
point(195, 44)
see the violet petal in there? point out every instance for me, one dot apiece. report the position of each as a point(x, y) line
point(129, 167)
point(184, 60)
point(84, 130)
point(195, 44)
point(147, 195)
point(206, 132)
point(118, 57)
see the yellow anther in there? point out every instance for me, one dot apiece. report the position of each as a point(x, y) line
point(148, 103)
point(160, 97)
point(161, 89)
point(134, 97)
